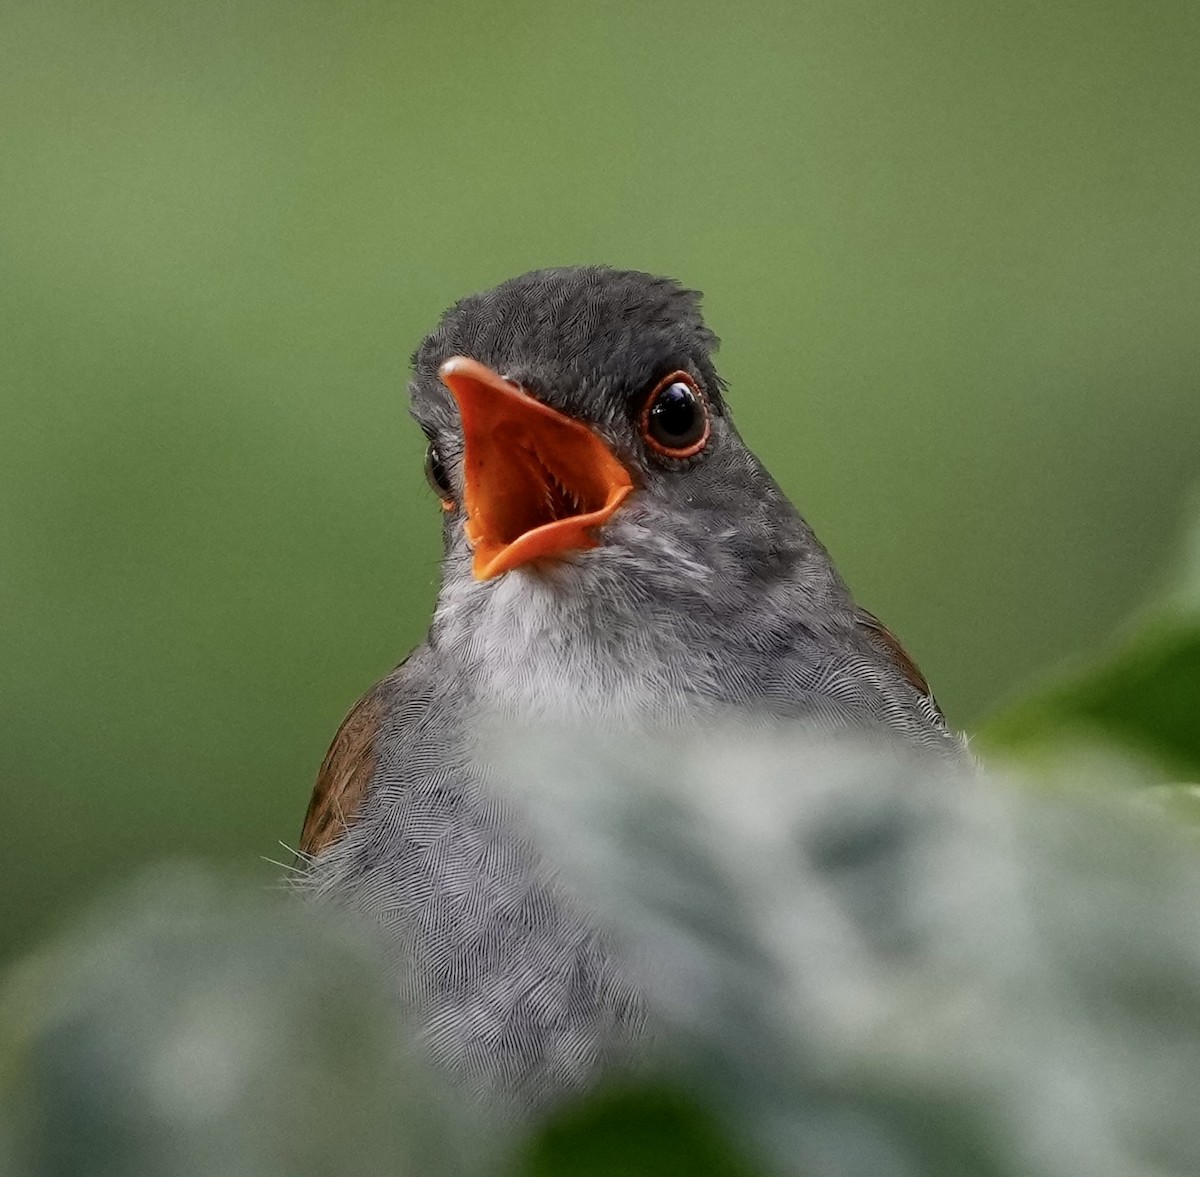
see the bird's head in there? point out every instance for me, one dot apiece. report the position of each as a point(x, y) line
point(574, 416)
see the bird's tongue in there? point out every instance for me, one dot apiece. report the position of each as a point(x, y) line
point(538, 483)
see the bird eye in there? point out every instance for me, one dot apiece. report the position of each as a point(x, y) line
point(675, 420)
point(435, 472)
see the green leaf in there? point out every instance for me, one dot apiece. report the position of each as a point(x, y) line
point(1146, 697)
point(633, 1132)
point(1143, 696)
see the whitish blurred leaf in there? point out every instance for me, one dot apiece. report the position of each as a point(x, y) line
point(1143, 695)
point(1181, 801)
point(193, 1029)
point(874, 966)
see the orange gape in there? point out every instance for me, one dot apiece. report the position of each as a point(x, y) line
point(537, 483)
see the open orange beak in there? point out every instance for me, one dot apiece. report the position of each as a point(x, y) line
point(538, 483)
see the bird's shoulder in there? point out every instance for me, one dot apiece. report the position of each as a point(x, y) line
point(881, 638)
point(345, 774)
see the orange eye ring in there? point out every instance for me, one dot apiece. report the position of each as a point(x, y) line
point(675, 421)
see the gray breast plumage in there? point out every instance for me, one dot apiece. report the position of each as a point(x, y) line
point(508, 981)
point(511, 988)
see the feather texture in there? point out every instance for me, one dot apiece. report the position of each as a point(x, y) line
point(707, 597)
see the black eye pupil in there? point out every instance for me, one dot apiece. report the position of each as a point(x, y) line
point(436, 473)
point(676, 418)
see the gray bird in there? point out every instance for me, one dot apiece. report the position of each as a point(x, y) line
point(615, 557)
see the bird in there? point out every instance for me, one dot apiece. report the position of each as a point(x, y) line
point(614, 556)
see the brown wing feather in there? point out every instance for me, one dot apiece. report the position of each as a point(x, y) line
point(882, 636)
point(342, 781)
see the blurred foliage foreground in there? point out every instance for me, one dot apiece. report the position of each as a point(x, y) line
point(862, 966)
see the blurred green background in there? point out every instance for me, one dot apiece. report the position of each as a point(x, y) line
point(953, 251)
